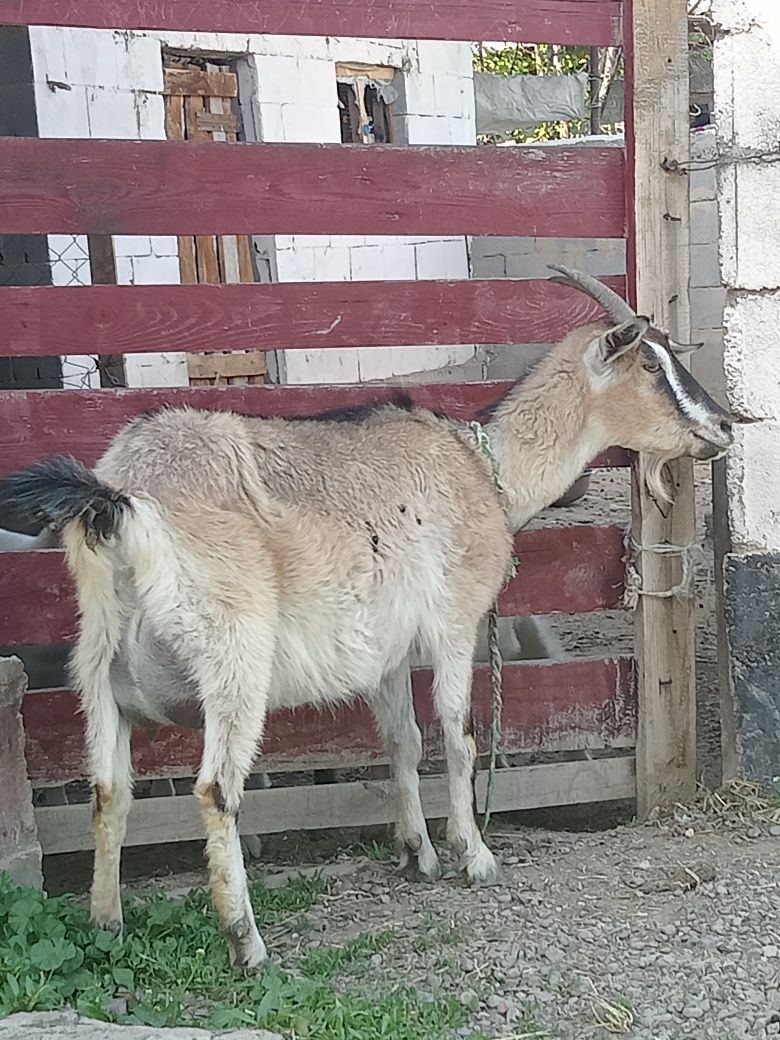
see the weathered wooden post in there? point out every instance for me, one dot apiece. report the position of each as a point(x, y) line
point(658, 142)
point(20, 850)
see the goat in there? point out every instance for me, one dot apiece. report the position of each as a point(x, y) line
point(227, 566)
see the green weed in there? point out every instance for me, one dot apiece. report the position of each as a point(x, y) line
point(172, 968)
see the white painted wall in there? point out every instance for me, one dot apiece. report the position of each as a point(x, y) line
point(747, 61)
point(97, 83)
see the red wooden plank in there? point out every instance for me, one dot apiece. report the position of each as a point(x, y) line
point(594, 22)
point(34, 423)
point(572, 570)
point(555, 706)
point(199, 188)
point(127, 319)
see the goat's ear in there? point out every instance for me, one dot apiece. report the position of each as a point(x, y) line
point(619, 340)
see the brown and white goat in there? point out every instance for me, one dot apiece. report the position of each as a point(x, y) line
point(227, 566)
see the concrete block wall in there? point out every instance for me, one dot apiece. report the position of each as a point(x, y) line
point(295, 87)
point(93, 83)
point(708, 295)
point(96, 83)
point(747, 61)
point(528, 258)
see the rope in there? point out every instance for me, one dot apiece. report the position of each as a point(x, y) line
point(689, 554)
point(482, 438)
point(496, 689)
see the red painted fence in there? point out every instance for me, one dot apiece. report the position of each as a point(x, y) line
point(204, 187)
point(595, 22)
point(107, 319)
point(166, 187)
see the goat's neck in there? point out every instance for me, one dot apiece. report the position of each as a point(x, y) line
point(543, 436)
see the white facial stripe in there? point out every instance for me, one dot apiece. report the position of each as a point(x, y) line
point(688, 406)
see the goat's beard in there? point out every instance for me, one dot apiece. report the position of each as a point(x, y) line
point(658, 478)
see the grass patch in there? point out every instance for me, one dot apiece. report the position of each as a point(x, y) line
point(172, 968)
point(376, 851)
point(330, 961)
point(436, 933)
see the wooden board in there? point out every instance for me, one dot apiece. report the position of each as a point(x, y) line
point(209, 259)
point(217, 369)
point(562, 569)
point(659, 261)
point(132, 319)
point(217, 123)
point(211, 188)
point(566, 569)
point(199, 83)
point(595, 22)
point(68, 828)
point(573, 705)
point(34, 423)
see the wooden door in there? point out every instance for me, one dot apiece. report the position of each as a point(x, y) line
point(201, 104)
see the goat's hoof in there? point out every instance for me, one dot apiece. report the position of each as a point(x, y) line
point(251, 959)
point(107, 924)
point(481, 866)
point(574, 493)
point(250, 967)
point(418, 857)
point(428, 863)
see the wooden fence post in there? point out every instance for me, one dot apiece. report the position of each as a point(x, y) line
point(657, 136)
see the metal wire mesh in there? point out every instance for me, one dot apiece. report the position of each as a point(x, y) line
point(61, 260)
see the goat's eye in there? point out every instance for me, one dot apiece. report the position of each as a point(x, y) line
point(650, 366)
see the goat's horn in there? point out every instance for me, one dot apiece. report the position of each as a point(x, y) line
point(614, 305)
point(683, 348)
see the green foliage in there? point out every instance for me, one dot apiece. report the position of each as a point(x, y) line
point(172, 968)
point(531, 60)
point(376, 851)
point(331, 961)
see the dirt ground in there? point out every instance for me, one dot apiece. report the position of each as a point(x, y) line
point(664, 931)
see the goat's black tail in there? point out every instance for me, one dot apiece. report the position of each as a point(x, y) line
point(60, 489)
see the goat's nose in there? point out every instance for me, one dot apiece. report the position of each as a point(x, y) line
point(726, 426)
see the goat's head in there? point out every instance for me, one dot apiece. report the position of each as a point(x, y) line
point(648, 401)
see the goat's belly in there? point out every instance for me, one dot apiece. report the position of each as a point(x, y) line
point(330, 656)
point(151, 686)
point(332, 651)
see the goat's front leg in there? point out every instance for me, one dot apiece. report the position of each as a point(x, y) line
point(452, 697)
point(393, 710)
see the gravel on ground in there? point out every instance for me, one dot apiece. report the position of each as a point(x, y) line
point(661, 931)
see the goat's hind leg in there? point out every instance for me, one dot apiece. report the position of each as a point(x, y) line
point(112, 798)
point(393, 709)
point(227, 877)
point(234, 678)
point(107, 731)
